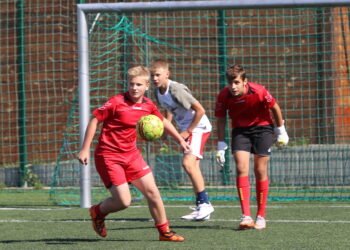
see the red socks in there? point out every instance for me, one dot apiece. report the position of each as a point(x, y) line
point(163, 228)
point(243, 187)
point(262, 190)
point(98, 211)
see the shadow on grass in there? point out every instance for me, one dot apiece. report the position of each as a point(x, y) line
point(63, 241)
point(196, 225)
point(206, 227)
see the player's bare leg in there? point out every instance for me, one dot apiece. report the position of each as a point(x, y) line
point(120, 199)
point(203, 209)
point(192, 168)
point(260, 167)
point(149, 189)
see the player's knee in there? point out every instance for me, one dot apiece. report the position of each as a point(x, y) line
point(188, 165)
point(124, 204)
point(153, 195)
point(121, 204)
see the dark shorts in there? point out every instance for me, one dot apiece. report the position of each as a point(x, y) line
point(256, 140)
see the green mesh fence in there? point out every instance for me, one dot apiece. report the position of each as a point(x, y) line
point(38, 84)
point(300, 54)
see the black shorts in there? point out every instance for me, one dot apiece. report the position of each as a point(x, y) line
point(256, 140)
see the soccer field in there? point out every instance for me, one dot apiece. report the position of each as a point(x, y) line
point(60, 60)
point(291, 225)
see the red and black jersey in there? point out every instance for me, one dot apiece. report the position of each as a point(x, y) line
point(251, 109)
point(120, 116)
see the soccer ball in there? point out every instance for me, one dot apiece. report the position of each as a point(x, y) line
point(150, 127)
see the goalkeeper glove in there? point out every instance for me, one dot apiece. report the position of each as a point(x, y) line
point(282, 137)
point(220, 154)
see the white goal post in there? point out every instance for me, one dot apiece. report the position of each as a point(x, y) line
point(83, 47)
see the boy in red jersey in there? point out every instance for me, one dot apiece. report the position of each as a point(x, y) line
point(195, 128)
point(248, 105)
point(117, 159)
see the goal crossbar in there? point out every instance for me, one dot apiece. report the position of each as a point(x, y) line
point(206, 5)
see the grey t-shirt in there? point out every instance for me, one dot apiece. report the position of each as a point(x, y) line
point(178, 100)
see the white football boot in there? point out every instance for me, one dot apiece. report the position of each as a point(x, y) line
point(204, 211)
point(260, 223)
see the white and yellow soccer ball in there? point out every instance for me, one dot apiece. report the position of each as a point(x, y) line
point(150, 127)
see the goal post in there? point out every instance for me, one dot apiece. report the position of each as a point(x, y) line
point(257, 61)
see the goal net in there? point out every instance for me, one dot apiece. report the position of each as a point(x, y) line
point(300, 53)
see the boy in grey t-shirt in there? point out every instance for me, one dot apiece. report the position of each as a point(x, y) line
point(195, 128)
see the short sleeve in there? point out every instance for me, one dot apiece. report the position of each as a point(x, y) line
point(183, 95)
point(105, 111)
point(269, 100)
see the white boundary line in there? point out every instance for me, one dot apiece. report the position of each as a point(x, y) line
point(172, 220)
point(33, 209)
point(186, 206)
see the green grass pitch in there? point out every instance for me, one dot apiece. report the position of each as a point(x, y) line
point(29, 221)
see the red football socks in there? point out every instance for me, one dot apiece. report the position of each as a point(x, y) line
point(243, 187)
point(163, 228)
point(98, 211)
point(262, 190)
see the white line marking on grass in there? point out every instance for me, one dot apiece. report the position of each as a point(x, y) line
point(42, 221)
point(290, 221)
point(186, 206)
point(277, 206)
point(150, 220)
point(32, 209)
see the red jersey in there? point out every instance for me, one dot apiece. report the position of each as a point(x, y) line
point(251, 109)
point(120, 116)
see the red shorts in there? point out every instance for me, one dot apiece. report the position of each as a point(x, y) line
point(197, 142)
point(119, 168)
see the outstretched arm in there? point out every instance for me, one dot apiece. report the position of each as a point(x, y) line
point(169, 127)
point(169, 116)
point(84, 154)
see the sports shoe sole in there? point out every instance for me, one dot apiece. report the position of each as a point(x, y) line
point(174, 238)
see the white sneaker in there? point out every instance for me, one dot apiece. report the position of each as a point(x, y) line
point(246, 222)
point(204, 211)
point(191, 216)
point(260, 223)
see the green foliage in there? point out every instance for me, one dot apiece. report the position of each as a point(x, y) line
point(166, 150)
point(302, 141)
point(32, 179)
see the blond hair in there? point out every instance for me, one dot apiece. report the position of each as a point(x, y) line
point(159, 63)
point(139, 71)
